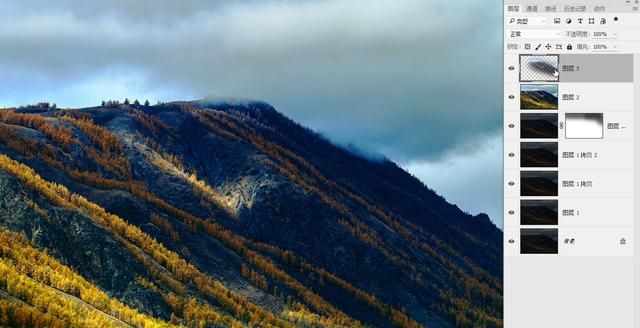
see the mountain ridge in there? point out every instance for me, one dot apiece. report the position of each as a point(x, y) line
point(258, 205)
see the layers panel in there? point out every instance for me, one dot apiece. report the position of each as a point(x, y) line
point(570, 93)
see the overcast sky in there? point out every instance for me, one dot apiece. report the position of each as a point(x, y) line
point(550, 88)
point(416, 80)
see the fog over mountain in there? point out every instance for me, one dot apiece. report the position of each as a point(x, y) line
point(413, 80)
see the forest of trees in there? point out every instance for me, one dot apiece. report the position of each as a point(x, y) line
point(164, 225)
point(179, 268)
point(266, 272)
point(173, 165)
point(59, 134)
point(43, 285)
point(60, 196)
point(468, 314)
point(111, 156)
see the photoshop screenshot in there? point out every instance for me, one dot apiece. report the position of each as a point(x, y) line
point(319, 163)
point(570, 186)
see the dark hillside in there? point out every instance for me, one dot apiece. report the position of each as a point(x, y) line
point(226, 214)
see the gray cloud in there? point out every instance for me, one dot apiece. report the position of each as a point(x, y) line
point(409, 78)
point(469, 176)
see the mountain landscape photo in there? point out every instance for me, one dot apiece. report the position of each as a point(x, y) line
point(539, 154)
point(539, 212)
point(538, 125)
point(539, 96)
point(225, 214)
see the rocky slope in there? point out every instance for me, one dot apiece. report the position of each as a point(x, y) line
point(222, 214)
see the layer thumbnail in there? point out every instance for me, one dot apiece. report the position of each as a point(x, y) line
point(539, 212)
point(538, 241)
point(539, 68)
point(539, 154)
point(539, 125)
point(539, 183)
point(538, 96)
